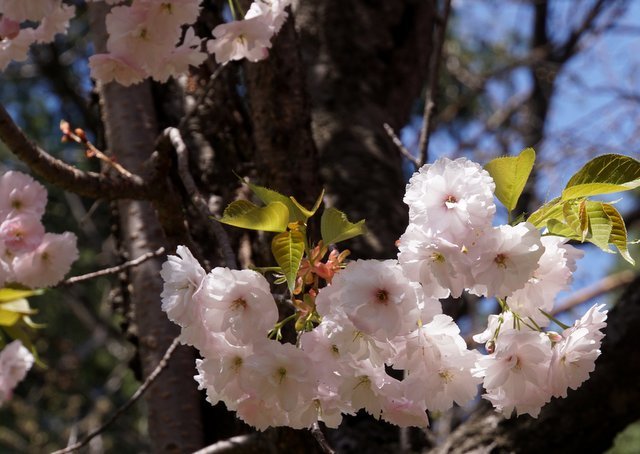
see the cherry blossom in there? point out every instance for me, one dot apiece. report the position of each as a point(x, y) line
point(183, 277)
point(451, 198)
point(249, 38)
point(507, 259)
point(15, 362)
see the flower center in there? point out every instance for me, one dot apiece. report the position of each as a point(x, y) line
point(446, 376)
point(450, 201)
point(382, 296)
point(281, 373)
point(237, 363)
point(239, 303)
point(501, 261)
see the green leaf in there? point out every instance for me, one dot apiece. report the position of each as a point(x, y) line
point(618, 232)
point(550, 210)
point(13, 311)
point(335, 227)
point(268, 196)
point(312, 211)
point(600, 225)
point(575, 216)
point(288, 248)
point(272, 218)
point(559, 228)
point(510, 174)
point(10, 294)
point(603, 175)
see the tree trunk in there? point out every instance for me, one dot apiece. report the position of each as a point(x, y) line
point(366, 64)
point(131, 131)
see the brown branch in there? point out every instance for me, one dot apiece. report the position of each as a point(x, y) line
point(198, 199)
point(570, 47)
point(432, 86)
point(112, 270)
point(401, 148)
point(320, 438)
point(162, 365)
point(601, 287)
point(242, 443)
point(63, 175)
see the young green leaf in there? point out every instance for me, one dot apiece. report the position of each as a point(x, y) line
point(10, 294)
point(13, 311)
point(268, 196)
point(312, 211)
point(618, 232)
point(335, 227)
point(272, 218)
point(559, 228)
point(550, 210)
point(510, 173)
point(600, 225)
point(604, 175)
point(288, 248)
point(575, 216)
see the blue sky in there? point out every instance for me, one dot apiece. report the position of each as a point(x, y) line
point(587, 116)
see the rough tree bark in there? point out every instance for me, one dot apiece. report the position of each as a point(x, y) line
point(366, 64)
point(131, 131)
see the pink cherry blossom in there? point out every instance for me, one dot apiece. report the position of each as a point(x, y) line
point(21, 234)
point(451, 198)
point(515, 376)
point(108, 67)
point(554, 273)
point(183, 276)
point(22, 10)
point(507, 259)
point(15, 362)
point(249, 38)
point(48, 263)
point(376, 297)
point(278, 371)
point(574, 356)
point(238, 301)
point(20, 194)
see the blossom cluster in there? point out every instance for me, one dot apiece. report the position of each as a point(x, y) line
point(27, 22)
point(250, 37)
point(375, 316)
point(28, 255)
point(146, 38)
point(15, 362)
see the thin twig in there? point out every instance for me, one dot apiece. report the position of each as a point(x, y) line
point(114, 269)
point(162, 365)
point(601, 287)
point(320, 438)
point(63, 175)
point(401, 148)
point(432, 86)
point(240, 443)
point(198, 199)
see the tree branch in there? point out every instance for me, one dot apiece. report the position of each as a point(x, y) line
point(432, 86)
point(601, 287)
point(133, 399)
point(63, 175)
point(112, 270)
point(198, 199)
point(401, 148)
